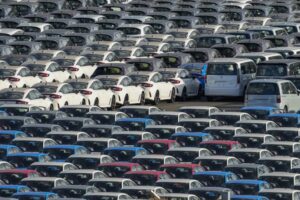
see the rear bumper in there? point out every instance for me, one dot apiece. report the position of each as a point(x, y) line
point(222, 91)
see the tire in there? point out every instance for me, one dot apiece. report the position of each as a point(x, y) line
point(83, 76)
point(96, 103)
point(285, 109)
point(156, 98)
point(83, 102)
point(126, 100)
point(142, 101)
point(183, 95)
point(24, 86)
point(66, 103)
point(173, 96)
point(113, 103)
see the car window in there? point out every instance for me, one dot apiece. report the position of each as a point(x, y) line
point(125, 82)
point(66, 89)
point(96, 85)
point(24, 72)
point(53, 67)
point(83, 62)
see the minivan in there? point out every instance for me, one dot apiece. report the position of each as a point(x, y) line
point(228, 76)
point(277, 93)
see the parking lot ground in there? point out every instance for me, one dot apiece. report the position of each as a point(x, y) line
point(228, 104)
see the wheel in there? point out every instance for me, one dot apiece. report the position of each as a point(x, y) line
point(24, 86)
point(183, 95)
point(142, 101)
point(51, 107)
point(285, 109)
point(113, 103)
point(173, 96)
point(54, 81)
point(66, 103)
point(96, 103)
point(83, 76)
point(156, 98)
point(126, 100)
point(83, 102)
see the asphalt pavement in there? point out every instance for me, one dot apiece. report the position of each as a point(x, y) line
point(228, 104)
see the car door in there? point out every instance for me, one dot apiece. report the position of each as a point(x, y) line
point(132, 90)
point(27, 78)
point(35, 98)
point(103, 94)
point(57, 73)
point(163, 88)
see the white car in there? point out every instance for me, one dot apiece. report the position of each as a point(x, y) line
point(136, 30)
point(25, 96)
point(47, 54)
point(48, 71)
point(95, 92)
point(126, 92)
point(78, 66)
point(155, 87)
point(185, 84)
point(61, 93)
point(19, 76)
point(100, 57)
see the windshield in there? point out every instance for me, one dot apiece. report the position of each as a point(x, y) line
point(296, 82)
point(16, 111)
point(263, 89)
point(135, 113)
point(93, 146)
point(195, 126)
point(179, 172)
point(276, 165)
point(276, 196)
point(139, 78)
point(142, 179)
point(85, 163)
point(22, 161)
point(114, 171)
point(77, 178)
point(226, 119)
point(217, 149)
point(280, 149)
point(162, 133)
point(131, 126)
point(40, 118)
point(107, 26)
point(77, 41)
point(40, 185)
point(210, 180)
point(200, 56)
point(130, 31)
point(102, 118)
point(184, 156)
point(94, 58)
point(6, 138)
point(69, 125)
point(128, 139)
point(212, 164)
point(189, 141)
point(122, 155)
point(63, 138)
point(50, 171)
point(65, 62)
point(97, 132)
point(21, 49)
point(70, 193)
point(122, 53)
point(228, 69)
point(283, 135)
point(47, 7)
point(46, 89)
point(30, 29)
point(59, 154)
point(244, 173)
point(271, 70)
point(75, 112)
point(279, 182)
point(168, 75)
point(175, 187)
point(35, 68)
point(207, 42)
point(7, 192)
point(27, 197)
point(253, 128)
point(29, 146)
point(164, 119)
point(245, 156)
point(7, 72)
point(12, 178)
point(171, 62)
point(11, 124)
point(110, 186)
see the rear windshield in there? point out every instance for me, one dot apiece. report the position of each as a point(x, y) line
point(263, 89)
point(222, 69)
point(272, 70)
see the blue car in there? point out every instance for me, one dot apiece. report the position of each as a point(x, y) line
point(60, 153)
point(7, 136)
point(124, 153)
point(9, 190)
point(35, 195)
point(134, 124)
point(197, 70)
point(8, 149)
point(286, 119)
point(24, 159)
point(247, 186)
point(214, 178)
point(260, 112)
point(247, 197)
point(191, 139)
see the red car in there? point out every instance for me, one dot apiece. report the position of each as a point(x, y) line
point(220, 147)
point(117, 169)
point(14, 176)
point(146, 177)
point(181, 170)
point(157, 146)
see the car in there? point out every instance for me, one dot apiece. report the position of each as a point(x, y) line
point(40, 130)
point(250, 155)
point(188, 154)
point(230, 118)
point(32, 144)
point(157, 146)
point(8, 149)
point(125, 153)
point(272, 92)
point(211, 163)
point(230, 50)
point(62, 152)
point(198, 124)
point(285, 133)
point(79, 110)
point(208, 40)
point(174, 185)
point(118, 169)
point(220, 147)
point(18, 76)
point(73, 123)
point(40, 195)
point(252, 139)
point(25, 96)
point(100, 195)
point(111, 184)
point(248, 170)
point(257, 126)
point(89, 161)
point(9, 190)
point(42, 184)
point(104, 45)
point(61, 93)
point(74, 191)
point(45, 116)
point(18, 109)
point(284, 193)
point(199, 111)
point(106, 117)
point(51, 169)
point(279, 179)
point(131, 137)
point(100, 130)
point(6, 136)
point(125, 90)
point(153, 47)
point(80, 176)
point(231, 80)
point(134, 124)
point(168, 117)
point(14, 176)
point(214, 178)
point(284, 148)
point(15, 122)
point(23, 160)
point(98, 144)
point(190, 139)
point(247, 187)
point(260, 112)
point(280, 163)
point(256, 45)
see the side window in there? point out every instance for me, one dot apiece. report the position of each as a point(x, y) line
point(125, 82)
point(53, 67)
point(24, 72)
point(96, 85)
point(244, 68)
point(292, 89)
point(65, 89)
point(83, 62)
point(285, 88)
point(31, 95)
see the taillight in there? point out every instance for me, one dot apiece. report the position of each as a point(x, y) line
point(85, 92)
point(43, 74)
point(278, 99)
point(147, 85)
point(174, 81)
point(13, 79)
point(117, 89)
point(55, 96)
point(21, 102)
point(73, 69)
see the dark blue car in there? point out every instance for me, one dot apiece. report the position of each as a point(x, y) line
point(6, 136)
point(9, 190)
point(134, 124)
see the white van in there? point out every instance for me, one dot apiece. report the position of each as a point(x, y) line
point(228, 76)
point(277, 93)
